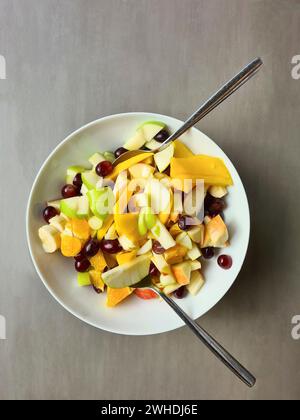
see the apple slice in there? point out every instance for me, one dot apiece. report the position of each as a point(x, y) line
point(136, 142)
point(141, 170)
point(161, 264)
point(151, 128)
point(101, 202)
point(83, 208)
point(126, 243)
point(152, 144)
point(194, 253)
point(90, 179)
point(145, 248)
point(54, 203)
point(95, 159)
point(110, 156)
point(83, 279)
point(72, 171)
point(69, 206)
point(128, 274)
point(196, 283)
point(184, 240)
point(162, 235)
point(195, 265)
point(163, 158)
point(142, 226)
point(167, 279)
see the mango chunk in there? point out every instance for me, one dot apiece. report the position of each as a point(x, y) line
point(125, 257)
point(106, 225)
point(98, 261)
point(175, 254)
point(127, 224)
point(181, 150)
point(96, 280)
point(123, 166)
point(210, 169)
point(115, 296)
point(70, 246)
point(80, 228)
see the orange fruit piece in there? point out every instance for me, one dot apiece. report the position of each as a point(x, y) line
point(98, 261)
point(80, 228)
point(96, 279)
point(70, 246)
point(115, 296)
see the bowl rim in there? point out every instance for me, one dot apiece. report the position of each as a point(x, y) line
point(29, 203)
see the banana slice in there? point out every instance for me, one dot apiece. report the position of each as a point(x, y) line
point(50, 238)
point(58, 222)
point(217, 191)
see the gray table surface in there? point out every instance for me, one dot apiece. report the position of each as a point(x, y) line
point(72, 61)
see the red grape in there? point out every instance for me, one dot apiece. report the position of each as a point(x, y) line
point(82, 265)
point(69, 191)
point(153, 271)
point(213, 206)
point(180, 293)
point(225, 261)
point(49, 212)
point(157, 248)
point(120, 151)
point(97, 290)
point(162, 135)
point(208, 252)
point(185, 222)
point(111, 246)
point(91, 247)
point(104, 168)
point(80, 256)
point(77, 181)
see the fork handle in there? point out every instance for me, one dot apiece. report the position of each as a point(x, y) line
point(240, 371)
point(226, 90)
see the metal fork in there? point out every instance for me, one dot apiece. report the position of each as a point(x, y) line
point(224, 92)
point(240, 371)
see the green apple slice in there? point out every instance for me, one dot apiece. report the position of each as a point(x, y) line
point(151, 128)
point(162, 235)
point(95, 159)
point(72, 171)
point(136, 142)
point(83, 279)
point(128, 274)
point(142, 226)
point(163, 158)
point(150, 218)
point(83, 208)
point(54, 203)
point(69, 206)
point(90, 179)
point(110, 156)
point(152, 144)
point(101, 202)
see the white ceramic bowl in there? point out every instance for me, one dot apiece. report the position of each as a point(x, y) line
point(134, 316)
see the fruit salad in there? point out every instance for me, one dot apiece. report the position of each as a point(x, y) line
point(152, 214)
